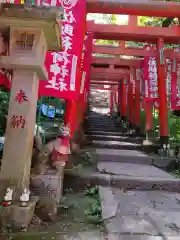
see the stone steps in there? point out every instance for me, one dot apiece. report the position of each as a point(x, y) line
point(117, 236)
point(114, 145)
point(143, 183)
point(139, 201)
point(105, 128)
point(105, 133)
point(114, 138)
point(147, 213)
point(124, 156)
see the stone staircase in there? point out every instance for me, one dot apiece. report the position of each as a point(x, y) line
point(139, 201)
point(103, 132)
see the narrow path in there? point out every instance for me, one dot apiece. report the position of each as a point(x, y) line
point(141, 201)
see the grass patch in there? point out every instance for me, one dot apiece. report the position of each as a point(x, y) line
point(77, 212)
point(176, 173)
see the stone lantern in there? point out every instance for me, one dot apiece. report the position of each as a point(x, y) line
point(31, 33)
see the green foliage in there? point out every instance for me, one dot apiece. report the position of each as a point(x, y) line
point(176, 173)
point(157, 21)
point(92, 191)
point(173, 125)
point(94, 212)
point(4, 105)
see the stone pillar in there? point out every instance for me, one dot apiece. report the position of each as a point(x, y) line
point(163, 104)
point(16, 162)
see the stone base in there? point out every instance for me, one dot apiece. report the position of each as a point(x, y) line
point(138, 130)
point(147, 143)
point(49, 184)
point(164, 140)
point(16, 216)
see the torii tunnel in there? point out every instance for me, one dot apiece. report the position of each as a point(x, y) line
point(74, 64)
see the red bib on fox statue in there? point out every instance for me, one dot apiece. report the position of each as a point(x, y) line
point(60, 153)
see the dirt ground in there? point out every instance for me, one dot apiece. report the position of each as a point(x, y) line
point(74, 216)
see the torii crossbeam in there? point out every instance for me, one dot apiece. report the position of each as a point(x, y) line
point(116, 61)
point(136, 34)
point(132, 7)
point(136, 52)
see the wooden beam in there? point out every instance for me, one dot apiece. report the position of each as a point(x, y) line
point(136, 34)
point(136, 52)
point(103, 77)
point(116, 61)
point(112, 71)
point(138, 7)
point(100, 88)
point(104, 83)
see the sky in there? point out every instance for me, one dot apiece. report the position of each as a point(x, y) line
point(100, 18)
point(122, 19)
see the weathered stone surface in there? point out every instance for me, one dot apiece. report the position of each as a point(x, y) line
point(16, 216)
point(126, 156)
point(40, 162)
point(130, 224)
point(142, 212)
point(128, 214)
point(133, 170)
point(116, 143)
point(49, 184)
point(96, 235)
point(141, 202)
point(107, 198)
point(113, 236)
point(46, 208)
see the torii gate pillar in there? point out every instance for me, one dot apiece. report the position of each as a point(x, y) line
point(111, 105)
point(123, 98)
point(119, 100)
point(163, 105)
point(137, 102)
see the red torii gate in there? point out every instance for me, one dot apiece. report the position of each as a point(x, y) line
point(96, 61)
point(112, 71)
point(156, 35)
point(138, 8)
point(134, 33)
point(130, 51)
point(104, 83)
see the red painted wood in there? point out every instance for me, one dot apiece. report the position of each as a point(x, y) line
point(119, 98)
point(163, 105)
point(107, 77)
point(123, 98)
point(138, 7)
point(132, 105)
point(129, 113)
point(101, 88)
point(132, 20)
point(111, 104)
point(136, 52)
point(149, 117)
point(137, 99)
point(138, 34)
point(103, 83)
point(116, 61)
point(111, 71)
